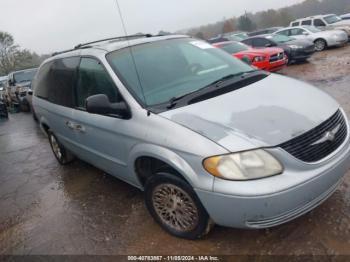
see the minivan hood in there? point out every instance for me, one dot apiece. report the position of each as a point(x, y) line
point(266, 113)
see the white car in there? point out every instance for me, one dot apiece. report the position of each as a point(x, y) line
point(322, 39)
point(324, 22)
point(345, 16)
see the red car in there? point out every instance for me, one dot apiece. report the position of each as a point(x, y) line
point(269, 59)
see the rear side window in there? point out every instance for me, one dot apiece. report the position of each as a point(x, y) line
point(61, 81)
point(295, 24)
point(41, 82)
point(261, 42)
point(55, 81)
point(93, 79)
point(296, 31)
point(306, 22)
point(248, 42)
point(319, 22)
point(284, 32)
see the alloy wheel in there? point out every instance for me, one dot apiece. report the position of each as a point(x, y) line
point(175, 207)
point(55, 147)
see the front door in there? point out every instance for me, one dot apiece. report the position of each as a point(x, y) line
point(105, 141)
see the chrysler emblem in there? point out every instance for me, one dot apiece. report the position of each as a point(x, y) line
point(328, 136)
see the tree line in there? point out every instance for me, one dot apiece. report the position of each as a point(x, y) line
point(269, 18)
point(13, 57)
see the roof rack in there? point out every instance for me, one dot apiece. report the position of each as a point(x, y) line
point(113, 38)
point(87, 45)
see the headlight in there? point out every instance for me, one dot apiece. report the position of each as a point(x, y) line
point(243, 166)
point(295, 46)
point(259, 58)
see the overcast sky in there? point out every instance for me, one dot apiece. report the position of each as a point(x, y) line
point(45, 26)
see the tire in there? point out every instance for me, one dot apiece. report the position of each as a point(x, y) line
point(166, 196)
point(320, 45)
point(24, 105)
point(63, 156)
point(34, 115)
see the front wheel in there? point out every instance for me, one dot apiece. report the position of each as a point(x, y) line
point(320, 45)
point(175, 206)
point(62, 155)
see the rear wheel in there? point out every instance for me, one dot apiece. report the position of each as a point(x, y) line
point(176, 207)
point(62, 155)
point(320, 45)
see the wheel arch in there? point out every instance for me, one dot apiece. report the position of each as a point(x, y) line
point(323, 39)
point(165, 159)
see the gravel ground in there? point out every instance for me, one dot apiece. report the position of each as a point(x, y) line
point(49, 209)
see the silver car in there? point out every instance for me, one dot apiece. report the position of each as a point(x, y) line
point(207, 137)
point(322, 39)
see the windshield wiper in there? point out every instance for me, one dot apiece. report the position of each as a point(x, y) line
point(230, 76)
point(173, 101)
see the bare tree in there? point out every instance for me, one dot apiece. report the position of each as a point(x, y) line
point(12, 57)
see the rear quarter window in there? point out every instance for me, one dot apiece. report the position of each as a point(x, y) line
point(56, 80)
point(41, 87)
point(306, 22)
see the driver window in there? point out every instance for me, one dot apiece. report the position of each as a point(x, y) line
point(94, 80)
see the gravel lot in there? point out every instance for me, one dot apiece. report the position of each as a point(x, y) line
point(49, 209)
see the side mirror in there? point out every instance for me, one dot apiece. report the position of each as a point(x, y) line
point(268, 45)
point(100, 105)
point(30, 92)
point(305, 33)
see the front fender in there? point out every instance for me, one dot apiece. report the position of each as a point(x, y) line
point(194, 174)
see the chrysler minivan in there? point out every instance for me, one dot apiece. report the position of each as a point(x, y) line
point(209, 139)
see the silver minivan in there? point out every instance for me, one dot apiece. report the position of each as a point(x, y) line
point(209, 139)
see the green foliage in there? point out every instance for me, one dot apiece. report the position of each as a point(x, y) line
point(245, 23)
point(13, 58)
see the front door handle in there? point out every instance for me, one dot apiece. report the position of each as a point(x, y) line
point(80, 128)
point(70, 125)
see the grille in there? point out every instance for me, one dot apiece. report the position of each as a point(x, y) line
point(276, 57)
point(313, 146)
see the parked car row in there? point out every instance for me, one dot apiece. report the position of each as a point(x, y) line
point(17, 90)
point(298, 42)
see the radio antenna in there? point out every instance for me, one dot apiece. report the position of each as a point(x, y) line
point(129, 46)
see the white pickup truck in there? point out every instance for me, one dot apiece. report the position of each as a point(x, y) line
point(330, 21)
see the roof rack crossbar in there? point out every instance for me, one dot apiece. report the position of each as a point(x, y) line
point(86, 45)
point(113, 38)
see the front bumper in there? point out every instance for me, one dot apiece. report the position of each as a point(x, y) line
point(271, 66)
point(270, 202)
point(301, 54)
point(338, 41)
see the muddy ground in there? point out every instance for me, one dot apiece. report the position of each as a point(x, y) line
point(49, 209)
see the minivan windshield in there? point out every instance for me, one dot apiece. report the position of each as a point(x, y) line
point(159, 71)
point(24, 76)
point(332, 19)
